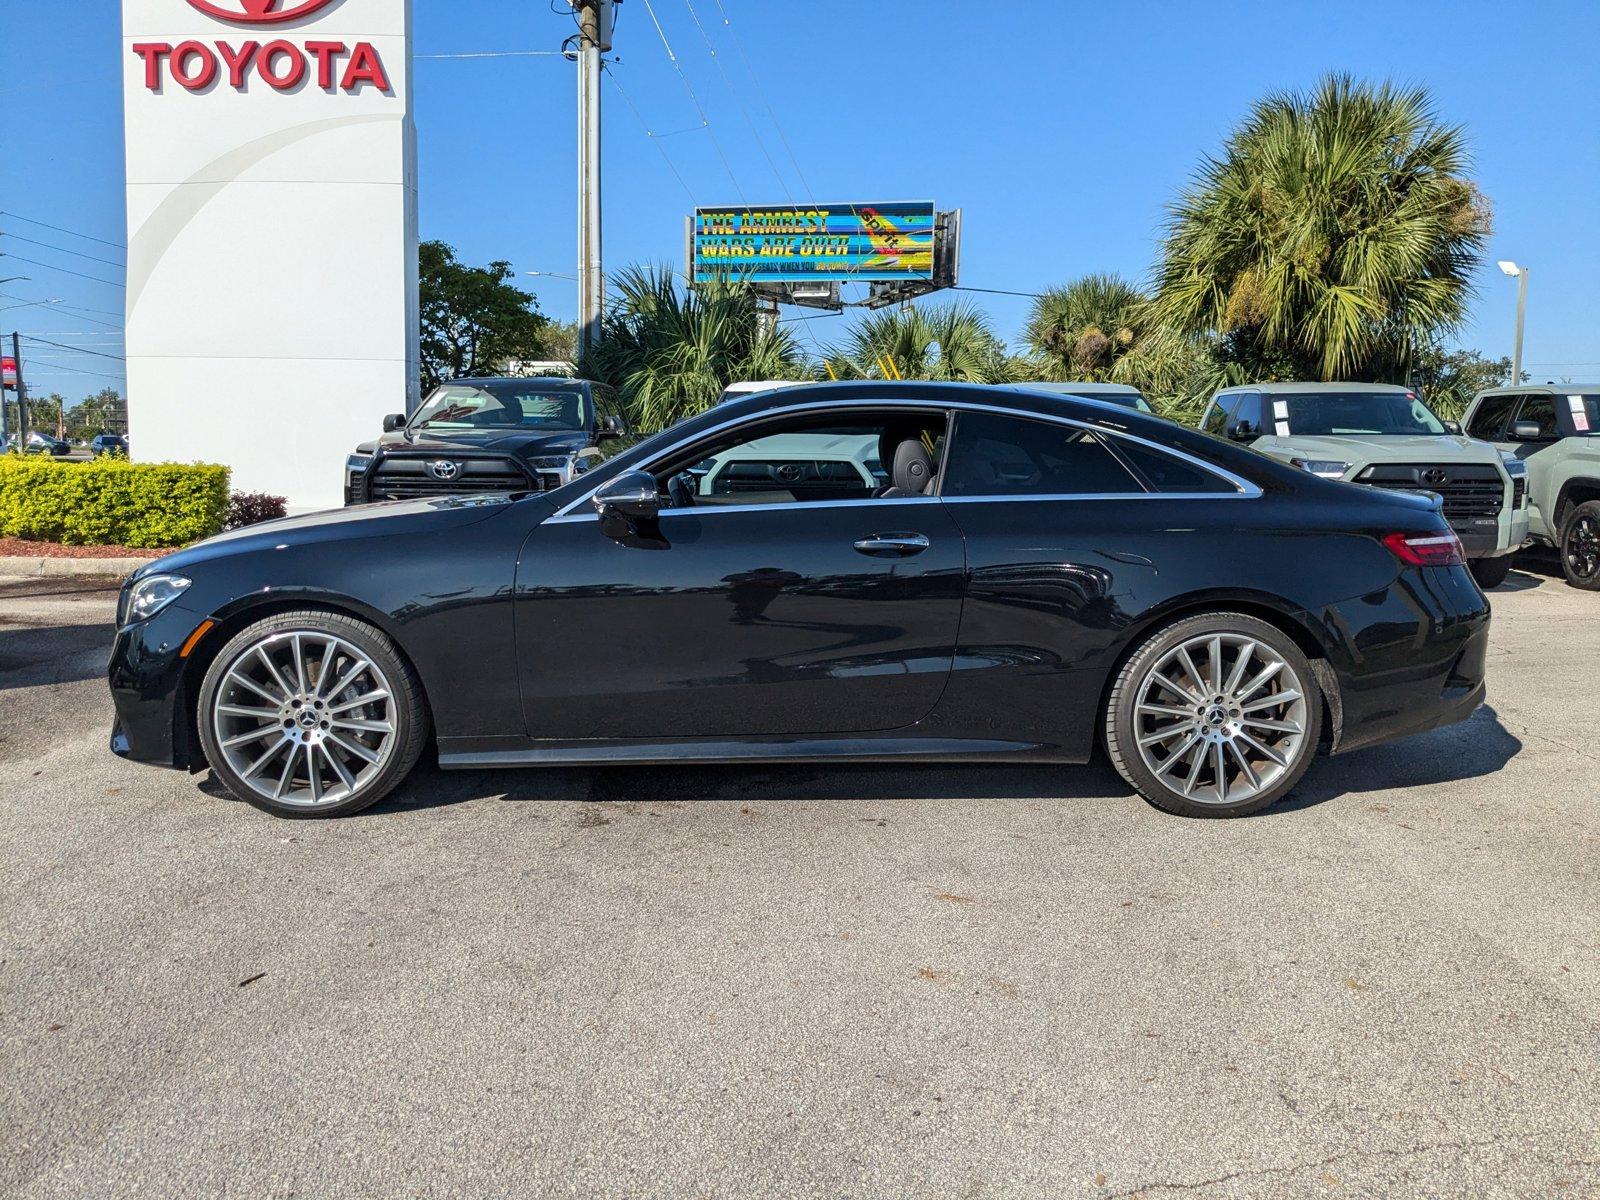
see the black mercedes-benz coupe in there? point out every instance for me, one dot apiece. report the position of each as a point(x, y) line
point(845, 572)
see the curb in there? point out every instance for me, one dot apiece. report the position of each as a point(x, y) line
point(26, 567)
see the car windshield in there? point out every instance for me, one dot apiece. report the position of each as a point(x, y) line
point(504, 405)
point(1347, 413)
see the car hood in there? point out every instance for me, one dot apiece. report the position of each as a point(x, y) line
point(525, 443)
point(1444, 448)
point(386, 519)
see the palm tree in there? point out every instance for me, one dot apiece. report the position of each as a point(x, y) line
point(1082, 329)
point(670, 350)
point(1335, 236)
point(952, 342)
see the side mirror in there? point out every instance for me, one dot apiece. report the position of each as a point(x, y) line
point(1526, 431)
point(609, 426)
point(629, 498)
point(394, 421)
point(1243, 431)
point(1452, 426)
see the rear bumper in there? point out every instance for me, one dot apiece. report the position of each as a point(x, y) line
point(1413, 660)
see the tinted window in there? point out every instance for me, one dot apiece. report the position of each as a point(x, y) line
point(1489, 418)
point(1543, 410)
point(1220, 415)
point(1009, 456)
point(516, 404)
point(1165, 473)
point(1340, 414)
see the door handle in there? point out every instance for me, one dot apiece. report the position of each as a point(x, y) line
point(892, 545)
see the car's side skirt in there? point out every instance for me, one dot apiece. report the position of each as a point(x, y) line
point(477, 753)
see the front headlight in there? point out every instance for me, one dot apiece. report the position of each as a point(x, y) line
point(1325, 468)
point(356, 464)
point(149, 596)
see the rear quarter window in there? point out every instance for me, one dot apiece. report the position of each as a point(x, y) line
point(1167, 473)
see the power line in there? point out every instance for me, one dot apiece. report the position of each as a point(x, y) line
point(57, 368)
point(743, 111)
point(498, 54)
point(61, 229)
point(28, 337)
point(762, 92)
point(698, 107)
point(17, 237)
point(649, 133)
point(32, 262)
point(997, 292)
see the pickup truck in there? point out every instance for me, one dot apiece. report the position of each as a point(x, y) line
point(1383, 435)
point(1554, 429)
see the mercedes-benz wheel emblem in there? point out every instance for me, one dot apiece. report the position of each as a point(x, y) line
point(1434, 475)
point(444, 469)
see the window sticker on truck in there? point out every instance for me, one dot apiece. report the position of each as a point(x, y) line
point(1580, 414)
point(1280, 417)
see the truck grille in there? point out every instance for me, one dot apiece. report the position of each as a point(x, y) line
point(1468, 489)
point(399, 477)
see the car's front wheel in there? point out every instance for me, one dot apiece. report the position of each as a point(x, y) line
point(1580, 547)
point(1216, 715)
point(1490, 572)
point(311, 714)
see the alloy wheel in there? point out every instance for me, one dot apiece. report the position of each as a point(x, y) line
point(304, 718)
point(1220, 718)
point(1583, 546)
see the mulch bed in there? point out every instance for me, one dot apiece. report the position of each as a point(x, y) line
point(11, 547)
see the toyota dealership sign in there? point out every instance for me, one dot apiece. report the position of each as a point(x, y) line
point(271, 178)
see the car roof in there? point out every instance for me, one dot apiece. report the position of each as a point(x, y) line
point(1081, 388)
point(1335, 387)
point(475, 381)
point(1540, 389)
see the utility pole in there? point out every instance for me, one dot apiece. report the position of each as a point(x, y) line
point(595, 19)
point(22, 390)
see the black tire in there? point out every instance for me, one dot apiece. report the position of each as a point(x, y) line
point(346, 643)
point(1490, 572)
point(1123, 723)
point(1580, 546)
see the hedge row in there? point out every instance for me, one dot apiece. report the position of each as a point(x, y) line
point(111, 501)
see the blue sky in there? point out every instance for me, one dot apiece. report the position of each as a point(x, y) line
point(1062, 149)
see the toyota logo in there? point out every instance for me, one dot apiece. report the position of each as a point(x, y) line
point(789, 472)
point(1435, 475)
point(444, 469)
point(259, 12)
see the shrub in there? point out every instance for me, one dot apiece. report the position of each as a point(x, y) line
point(111, 501)
point(251, 508)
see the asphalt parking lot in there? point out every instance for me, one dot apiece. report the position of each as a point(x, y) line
point(973, 981)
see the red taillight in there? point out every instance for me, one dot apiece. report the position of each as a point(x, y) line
point(1426, 549)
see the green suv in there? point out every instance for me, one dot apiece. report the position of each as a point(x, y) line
point(1555, 430)
point(1385, 436)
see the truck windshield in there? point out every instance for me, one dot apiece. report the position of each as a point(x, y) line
point(509, 405)
point(1349, 413)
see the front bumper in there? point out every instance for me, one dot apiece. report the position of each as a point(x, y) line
point(1410, 659)
point(146, 674)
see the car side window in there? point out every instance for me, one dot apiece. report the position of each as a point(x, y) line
point(1220, 415)
point(1163, 472)
point(1489, 419)
point(992, 455)
point(1542, 411)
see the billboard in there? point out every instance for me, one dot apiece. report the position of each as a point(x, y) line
point(794, 244)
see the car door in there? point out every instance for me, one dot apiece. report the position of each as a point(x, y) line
point(764, 616)
point(1541, 410)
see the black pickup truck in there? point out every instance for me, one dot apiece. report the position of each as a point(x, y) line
point(486, 435)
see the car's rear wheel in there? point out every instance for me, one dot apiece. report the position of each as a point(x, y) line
point(311, 714)
point(1216, 715)
point(1580, 546)
point(1490, 572)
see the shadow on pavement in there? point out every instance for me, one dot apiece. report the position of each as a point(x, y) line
point(31, 655)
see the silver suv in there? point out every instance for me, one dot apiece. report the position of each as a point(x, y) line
point(1384, 435)
point(1555, 430)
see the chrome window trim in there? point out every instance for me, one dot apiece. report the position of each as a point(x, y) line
point(1245, 489)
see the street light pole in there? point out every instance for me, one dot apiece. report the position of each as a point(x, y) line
point(1521, 273)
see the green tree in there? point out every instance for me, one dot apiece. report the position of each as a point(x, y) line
point(473, 318)
point(1448, 380)
point(1334, 237)
point(670, 350)
point(103, 412)
point(952, 342)
point(1082, 329)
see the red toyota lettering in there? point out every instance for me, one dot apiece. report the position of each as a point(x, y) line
point(238, 60)
point(364, 67)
